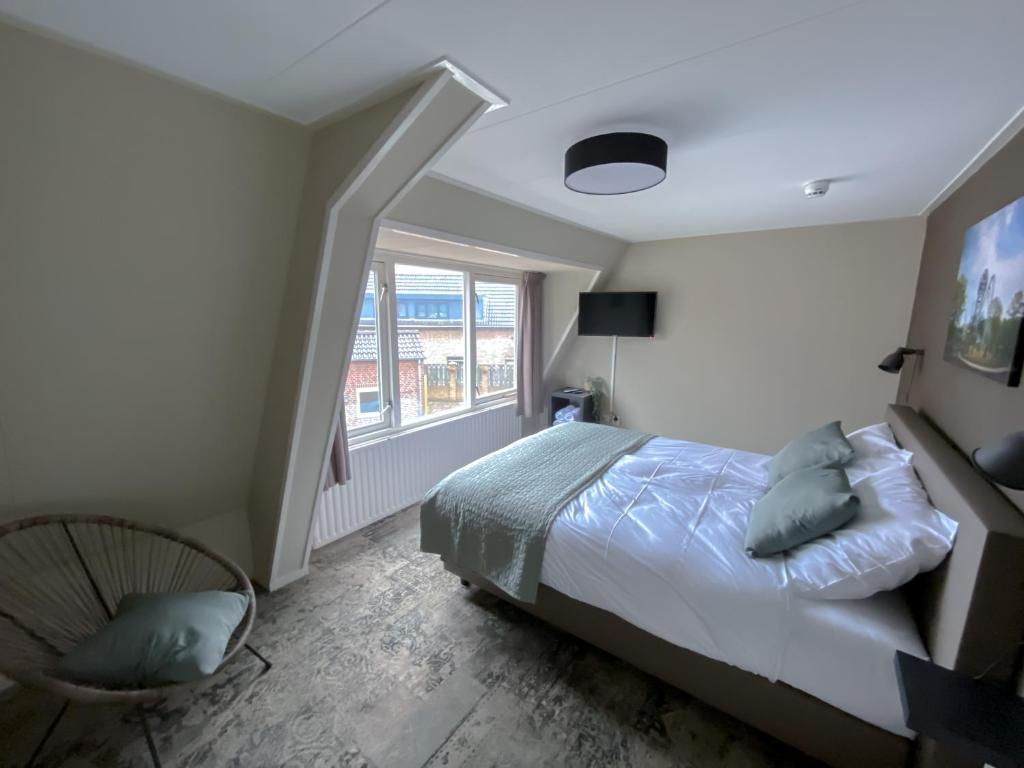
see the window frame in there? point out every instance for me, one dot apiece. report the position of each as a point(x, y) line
point(385, 261)
point(384, 355)
point(484, 277)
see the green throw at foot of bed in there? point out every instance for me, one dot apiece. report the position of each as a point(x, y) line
point(492, 516)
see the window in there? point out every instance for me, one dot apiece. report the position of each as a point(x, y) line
point(368, 400)
point(494, 337)
point(368, 384)
point(417, 349)
point(430, 382)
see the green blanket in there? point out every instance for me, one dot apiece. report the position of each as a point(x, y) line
point(492, 516)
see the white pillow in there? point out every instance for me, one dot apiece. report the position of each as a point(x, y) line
point(874, 450)
point(896, 535)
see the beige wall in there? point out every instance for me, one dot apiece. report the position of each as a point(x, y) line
point(761, 335)
point(145, 230)
point(442, 206)
point(561, 299)
point(969, 408)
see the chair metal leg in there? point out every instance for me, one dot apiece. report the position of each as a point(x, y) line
point(149, 736)
point(49, 732)
point(266, 664)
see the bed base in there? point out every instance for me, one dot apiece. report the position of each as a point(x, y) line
point(792, 716)
point(970, 612)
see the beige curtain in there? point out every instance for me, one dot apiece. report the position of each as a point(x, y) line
point(529, 372)
point(338, 466)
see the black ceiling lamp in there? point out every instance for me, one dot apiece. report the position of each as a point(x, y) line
point(1003, 463)
point(616, 163)
point(893, 362)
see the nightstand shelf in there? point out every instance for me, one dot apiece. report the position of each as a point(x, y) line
point(560, 398)
point(976, 718)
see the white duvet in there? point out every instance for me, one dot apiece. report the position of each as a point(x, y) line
point(658, 541)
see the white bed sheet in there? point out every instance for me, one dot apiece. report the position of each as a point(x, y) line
point(658, 541)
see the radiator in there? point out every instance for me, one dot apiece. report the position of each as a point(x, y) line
point(393, 473)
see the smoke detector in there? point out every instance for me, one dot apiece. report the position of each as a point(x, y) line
point(816, 188)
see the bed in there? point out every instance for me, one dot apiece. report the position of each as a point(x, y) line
point(817, 674)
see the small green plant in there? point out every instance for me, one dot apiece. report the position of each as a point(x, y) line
point(598, 388)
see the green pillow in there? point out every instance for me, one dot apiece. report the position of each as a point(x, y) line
point(823, 447)
point(167, 637)
point(804, 505)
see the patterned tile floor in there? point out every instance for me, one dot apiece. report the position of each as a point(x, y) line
point(381, 659)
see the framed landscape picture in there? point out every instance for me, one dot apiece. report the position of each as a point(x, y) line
point(984, 333)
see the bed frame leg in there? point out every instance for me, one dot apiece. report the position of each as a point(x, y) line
point(465, 583)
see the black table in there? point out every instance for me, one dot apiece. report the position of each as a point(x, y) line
point(978, 719)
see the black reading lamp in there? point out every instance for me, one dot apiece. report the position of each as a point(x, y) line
point(893, 362)
point(1003, 463)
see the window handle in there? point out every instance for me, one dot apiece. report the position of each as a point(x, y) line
point(387, 407)
point(382, 292)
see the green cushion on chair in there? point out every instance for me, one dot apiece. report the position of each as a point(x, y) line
point(156, 639)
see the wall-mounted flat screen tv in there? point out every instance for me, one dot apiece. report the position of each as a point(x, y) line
point(617, 313)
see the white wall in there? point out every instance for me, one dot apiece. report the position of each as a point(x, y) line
point(761, 335)
point(145, 231)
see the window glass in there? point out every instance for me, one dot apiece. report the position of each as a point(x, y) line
point(369, 401)
point(411, 355)
point(494, 342)
point(364, 384)
point(431, 370)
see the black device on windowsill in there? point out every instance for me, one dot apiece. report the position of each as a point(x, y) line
point(565, 396)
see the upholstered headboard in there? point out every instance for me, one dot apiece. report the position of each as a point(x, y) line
point(970, 610)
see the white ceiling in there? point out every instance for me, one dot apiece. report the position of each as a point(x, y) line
point(893, 98)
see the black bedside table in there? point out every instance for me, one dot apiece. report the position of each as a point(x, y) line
point(981, 721)
point(572, 396)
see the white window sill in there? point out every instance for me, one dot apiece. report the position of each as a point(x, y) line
point(380, 435)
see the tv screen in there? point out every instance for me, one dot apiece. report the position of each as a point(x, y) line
point(617, 313)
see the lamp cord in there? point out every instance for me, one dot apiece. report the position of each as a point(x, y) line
point(998, 661)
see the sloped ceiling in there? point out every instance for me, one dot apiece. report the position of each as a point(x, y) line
point(892, 100)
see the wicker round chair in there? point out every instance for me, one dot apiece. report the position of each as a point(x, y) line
point(61, 579)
